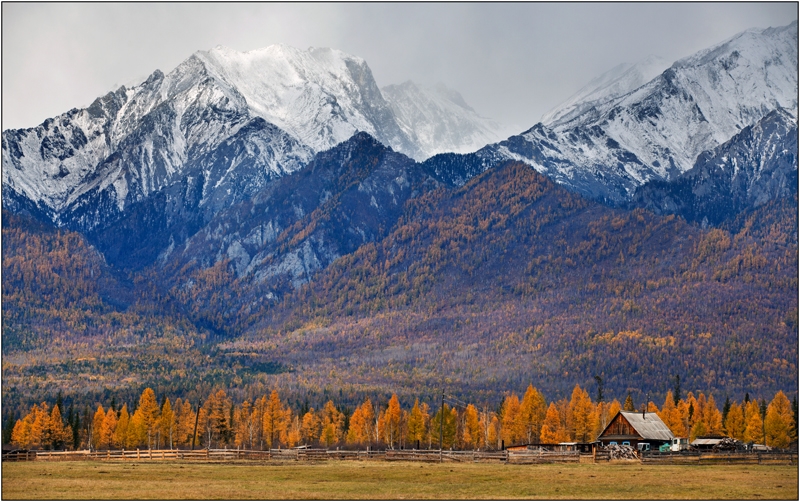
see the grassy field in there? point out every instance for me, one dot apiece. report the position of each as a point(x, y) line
point(391, 480)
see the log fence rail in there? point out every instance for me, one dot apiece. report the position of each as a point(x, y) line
point(320, 454)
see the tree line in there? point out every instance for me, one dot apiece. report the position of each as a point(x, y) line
point(268, 422)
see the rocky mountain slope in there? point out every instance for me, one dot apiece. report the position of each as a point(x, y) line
point(757, 165)
point(347, 196)
point(153, 164)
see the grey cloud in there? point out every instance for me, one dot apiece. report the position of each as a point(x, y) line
point(511, 61)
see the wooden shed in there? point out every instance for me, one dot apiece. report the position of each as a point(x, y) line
point(633, 428)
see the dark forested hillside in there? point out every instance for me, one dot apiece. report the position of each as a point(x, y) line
point(480, 288)
point(73, 325)
point(510, 279)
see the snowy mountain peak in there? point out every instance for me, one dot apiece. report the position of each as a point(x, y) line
point(321, 96)
point(617, 133)
point(756, 41)
point(612, 84)
point(438, 119)
point(220, 125)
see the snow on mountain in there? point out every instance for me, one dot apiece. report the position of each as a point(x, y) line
point(438, 119)
point(321, 96)
point(280, 105)
point(756, 166)
point(658, 130)
point(614, 83)
point(86, 166)
point(705, 99)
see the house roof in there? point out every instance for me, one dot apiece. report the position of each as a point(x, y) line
point(649, 427)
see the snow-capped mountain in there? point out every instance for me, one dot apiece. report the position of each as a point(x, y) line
point(438, 119)
point(657, 131)
point(320, 96)
point(210, 133)
point(612, 84)
point(754, 167)
point(86, 166)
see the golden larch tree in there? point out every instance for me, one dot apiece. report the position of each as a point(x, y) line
point(294, 430)
point(734, 422)
point(60, 434)
point(553, 430)
point(272, 422)
point(332, 424)
point(121, 430)
point(492, 430)
point(148, 405)
point(416, 425)
point(97, 427)
point(137, 430)
point(510, 420)
point(712, 417)
point(108, 428)
point(311, 426)
point(472, 427)
point(754, 425)
point(393, 421)
point(532, 412)
point(167, 424)
point(580, 417)
point(671, 416)
point(779, 429)
point(247, 425)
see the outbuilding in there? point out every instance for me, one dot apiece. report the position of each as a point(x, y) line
point(706, 443)
point(631, 428)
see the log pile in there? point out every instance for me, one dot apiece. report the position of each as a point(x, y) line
point(621, 452)
point(729, 444)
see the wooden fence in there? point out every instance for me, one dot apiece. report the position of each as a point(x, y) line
point(204, 455)
point(319, 454)
point(309, 454)
point(712, 458)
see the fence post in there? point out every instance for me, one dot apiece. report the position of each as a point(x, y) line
point(138, 456)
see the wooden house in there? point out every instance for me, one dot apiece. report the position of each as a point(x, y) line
point(632, 428)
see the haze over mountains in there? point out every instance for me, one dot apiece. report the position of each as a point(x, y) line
point(277, 206)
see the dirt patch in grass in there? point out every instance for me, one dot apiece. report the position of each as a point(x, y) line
point(391, 480)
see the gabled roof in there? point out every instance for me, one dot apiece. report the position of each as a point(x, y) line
point(647, 425)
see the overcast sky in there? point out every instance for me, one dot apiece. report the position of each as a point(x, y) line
point(512, 62)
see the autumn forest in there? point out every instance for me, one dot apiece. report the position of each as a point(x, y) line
point(269, 422)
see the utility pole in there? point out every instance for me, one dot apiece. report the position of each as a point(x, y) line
point(196, 418)
point(441, 427)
